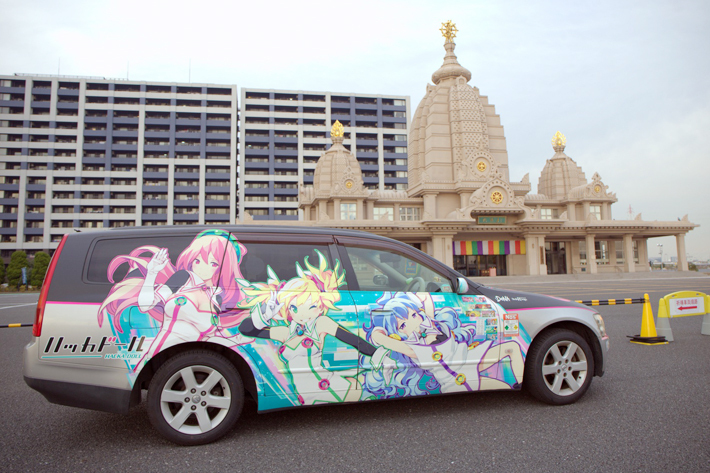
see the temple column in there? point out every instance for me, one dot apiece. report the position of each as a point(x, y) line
point(571, 216)
point(370, 210)
point(322, 210)
point(449, 251)
point(605, 211)
point(336, 209)
point(629, 265)
point(585, 210)
point(429, 205)
point(535, 253)
point(591, 254)
point(680, 247)
point(359, 209)
point(443, 250)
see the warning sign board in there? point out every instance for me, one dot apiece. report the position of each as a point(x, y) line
point(687, 306)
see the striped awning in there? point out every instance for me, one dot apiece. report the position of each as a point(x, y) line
point(489, 247)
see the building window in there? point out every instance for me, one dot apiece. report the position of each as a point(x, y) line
point(257, 211)
point(384, 213)
point(601, 250)
point(348, 212)
point(548, 214)
point(216, 210)
point(285, 212)
point(596, 210)
point(409, 213)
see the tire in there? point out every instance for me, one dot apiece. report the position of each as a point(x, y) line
point(195, 397)
point(559, 367)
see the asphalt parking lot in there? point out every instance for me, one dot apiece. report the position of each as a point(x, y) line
point(649, 412)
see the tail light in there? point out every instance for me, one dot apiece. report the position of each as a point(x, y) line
point(39, 315)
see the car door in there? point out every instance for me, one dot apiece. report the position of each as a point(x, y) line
point(298, 319)
point(429, 340)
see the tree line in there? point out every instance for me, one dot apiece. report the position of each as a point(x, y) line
point(35, 272)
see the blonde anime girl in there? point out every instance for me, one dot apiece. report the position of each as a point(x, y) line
point(295, 313)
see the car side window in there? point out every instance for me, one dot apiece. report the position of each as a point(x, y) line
point(377, 269)
point(106, 250)
point(281, 258)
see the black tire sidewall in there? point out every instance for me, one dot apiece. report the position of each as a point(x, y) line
point(533, 380)
point(184, 360)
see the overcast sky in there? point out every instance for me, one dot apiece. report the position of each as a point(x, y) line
point(627, 82)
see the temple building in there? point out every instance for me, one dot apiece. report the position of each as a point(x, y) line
point(461, 207)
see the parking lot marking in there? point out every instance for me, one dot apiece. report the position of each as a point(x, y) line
point(13, 306)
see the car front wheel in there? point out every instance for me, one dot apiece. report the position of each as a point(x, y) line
point(195, 397)
point(559, 367)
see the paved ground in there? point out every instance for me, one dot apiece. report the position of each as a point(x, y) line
point(649, 412)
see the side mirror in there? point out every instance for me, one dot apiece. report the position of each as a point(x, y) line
point(461, 286)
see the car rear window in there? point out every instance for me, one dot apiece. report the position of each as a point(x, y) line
point(106, 250)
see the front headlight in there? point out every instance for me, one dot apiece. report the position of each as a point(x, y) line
point(600, 324)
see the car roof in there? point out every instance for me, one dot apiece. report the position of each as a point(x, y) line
point(194, 229)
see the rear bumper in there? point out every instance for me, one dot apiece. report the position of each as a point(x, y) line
point(76, 385)
point(98, 398)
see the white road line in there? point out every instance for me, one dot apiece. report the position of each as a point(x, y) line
point(13, 306)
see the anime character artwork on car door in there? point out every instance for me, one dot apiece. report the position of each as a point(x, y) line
point(186, 299)
point(305, 338)
point(435, 352)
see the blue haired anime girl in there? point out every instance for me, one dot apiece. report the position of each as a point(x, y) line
point(430, 354)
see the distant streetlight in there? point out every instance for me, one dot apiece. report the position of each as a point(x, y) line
point(660, 251)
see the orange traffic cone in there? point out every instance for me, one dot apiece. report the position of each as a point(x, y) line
point(648, 334)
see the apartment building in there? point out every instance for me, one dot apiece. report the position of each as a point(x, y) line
point(283, 133)
point(78, 152)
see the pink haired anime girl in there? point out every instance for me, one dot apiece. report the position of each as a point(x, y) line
point(189, 298)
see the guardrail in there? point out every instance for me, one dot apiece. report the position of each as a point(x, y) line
point(15, 325)
point(627, 300)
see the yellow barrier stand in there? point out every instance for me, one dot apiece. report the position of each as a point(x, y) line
point(682, 304)
point(648, 334)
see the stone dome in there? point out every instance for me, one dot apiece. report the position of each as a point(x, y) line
point(451, 69)
point(560, 174)
point(456, 141)
point(337, 172)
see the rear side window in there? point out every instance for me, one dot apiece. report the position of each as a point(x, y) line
point(282, 258)
point(106, 250)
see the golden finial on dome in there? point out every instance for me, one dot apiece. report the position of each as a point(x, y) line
point(337, 130)
point(559, 140)
point(448, 31)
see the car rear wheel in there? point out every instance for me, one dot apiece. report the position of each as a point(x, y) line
point(195, 397)
point(559, 367)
